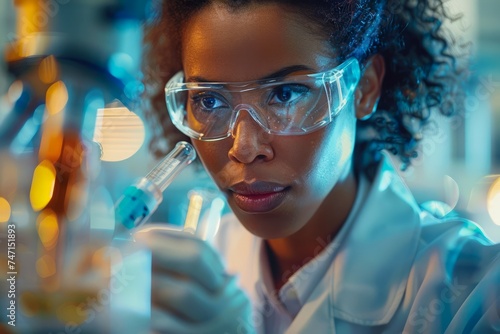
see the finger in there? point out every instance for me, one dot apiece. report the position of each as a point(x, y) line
point(231, 316)
point(183, 298)
point(182, 253)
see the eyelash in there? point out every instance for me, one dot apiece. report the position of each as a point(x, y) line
point(293, 88)
point(197, 99)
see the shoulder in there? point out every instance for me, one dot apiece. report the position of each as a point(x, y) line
point(456, 245)
point(467, 251)
point(455, 279)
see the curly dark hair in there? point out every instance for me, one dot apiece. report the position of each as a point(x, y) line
point(422, 75)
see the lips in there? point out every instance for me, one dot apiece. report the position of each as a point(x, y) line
point(259, 196)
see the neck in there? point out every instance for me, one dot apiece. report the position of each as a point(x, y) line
point(288, 255)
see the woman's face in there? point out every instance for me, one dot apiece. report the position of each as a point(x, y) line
point(275, 184)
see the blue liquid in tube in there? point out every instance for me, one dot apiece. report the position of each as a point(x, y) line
point(141, 199)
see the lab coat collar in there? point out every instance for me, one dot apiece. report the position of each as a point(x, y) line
point(369, 274)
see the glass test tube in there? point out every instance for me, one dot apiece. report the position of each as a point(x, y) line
point(141, 199)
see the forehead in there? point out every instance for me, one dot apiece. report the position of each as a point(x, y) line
point(220, 44)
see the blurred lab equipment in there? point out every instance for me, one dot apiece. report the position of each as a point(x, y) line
point(71, 58)
point(204, 213)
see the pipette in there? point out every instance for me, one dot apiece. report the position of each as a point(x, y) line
point(141, 199)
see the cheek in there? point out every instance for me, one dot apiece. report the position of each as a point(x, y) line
point(213, 156)
point(332, 158)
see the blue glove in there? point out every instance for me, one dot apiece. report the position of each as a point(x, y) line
point(191, 292)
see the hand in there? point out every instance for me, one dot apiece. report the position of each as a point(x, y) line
point(191, 292)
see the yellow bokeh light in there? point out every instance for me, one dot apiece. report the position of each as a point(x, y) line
point(56, 98)
point(48, 229)
point(52, 138)
point(27, 13)
point(42, 185)
point(45, 266)
point(5, 210)
point(493, 202)
point(48, 70)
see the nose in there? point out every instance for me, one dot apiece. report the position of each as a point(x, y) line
point(250, 141)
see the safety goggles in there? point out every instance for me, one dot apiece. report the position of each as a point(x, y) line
point(292, 105)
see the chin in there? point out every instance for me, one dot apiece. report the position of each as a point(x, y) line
point(267, 225)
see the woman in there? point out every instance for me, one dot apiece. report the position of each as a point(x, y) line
point(292, 107)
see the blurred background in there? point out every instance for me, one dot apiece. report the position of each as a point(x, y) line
point(125, 156)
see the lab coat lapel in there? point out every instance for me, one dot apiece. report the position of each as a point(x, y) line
point(372, 267)
point(367, 279)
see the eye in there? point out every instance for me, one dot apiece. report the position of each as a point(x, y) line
point(288, 93)
point(208, 101)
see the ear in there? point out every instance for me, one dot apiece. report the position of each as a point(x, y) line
point(370, 87)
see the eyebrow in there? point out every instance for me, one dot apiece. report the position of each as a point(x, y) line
point(275, 75)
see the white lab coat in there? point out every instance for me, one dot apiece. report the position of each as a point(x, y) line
point(398, 270)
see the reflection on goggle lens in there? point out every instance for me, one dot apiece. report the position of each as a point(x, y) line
point(294, 105)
